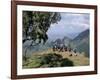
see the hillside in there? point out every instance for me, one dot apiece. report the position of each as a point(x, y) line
point(82, 35)
point(78, 60)
point(81, 42)
point(65, 57)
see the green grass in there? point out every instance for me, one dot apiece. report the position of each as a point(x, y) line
point(47, 60)
point(32, 62)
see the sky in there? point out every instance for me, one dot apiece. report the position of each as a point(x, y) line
point(70, 25)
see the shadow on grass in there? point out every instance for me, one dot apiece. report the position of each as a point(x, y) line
point(48, 60)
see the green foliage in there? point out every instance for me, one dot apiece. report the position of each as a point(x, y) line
point(36, 24)
point(25, 58)
point(48, 60)
point(34, 62)
point(66, 62)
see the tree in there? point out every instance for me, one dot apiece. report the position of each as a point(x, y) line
point(36, 24)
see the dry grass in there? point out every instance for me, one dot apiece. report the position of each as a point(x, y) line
point(79, 60)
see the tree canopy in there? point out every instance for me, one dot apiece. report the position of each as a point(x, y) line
point(36, 24)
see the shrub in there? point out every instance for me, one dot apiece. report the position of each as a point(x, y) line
point(49, 60)
point(66, 62)
point(54, 60)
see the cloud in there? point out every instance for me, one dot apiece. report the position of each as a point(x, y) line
point(70, 17)
point(70, 23)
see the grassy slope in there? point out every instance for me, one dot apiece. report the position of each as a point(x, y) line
point(79, 60)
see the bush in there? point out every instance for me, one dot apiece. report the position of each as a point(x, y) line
point(66, 62)
point(25, 58)
point(49, 60)
point(54, 60)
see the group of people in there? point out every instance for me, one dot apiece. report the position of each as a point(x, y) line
point(62, 48)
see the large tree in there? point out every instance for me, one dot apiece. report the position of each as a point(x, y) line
point(36, 25)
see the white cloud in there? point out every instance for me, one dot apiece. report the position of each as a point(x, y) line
point(70, 23)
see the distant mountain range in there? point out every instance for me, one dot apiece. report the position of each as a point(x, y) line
point(82, 35)
point(80, 42)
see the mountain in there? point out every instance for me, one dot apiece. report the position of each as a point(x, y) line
point(81, 42)
point(37, 48)
point(66, 41)
point(82, 35)
point(72, 35)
